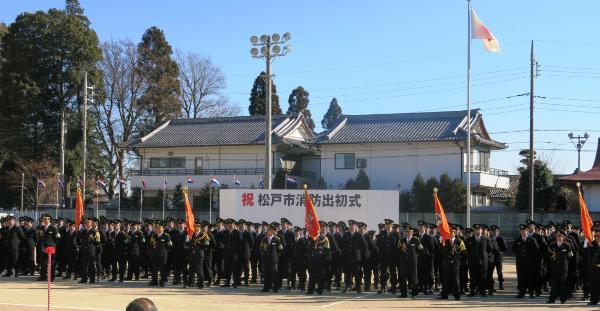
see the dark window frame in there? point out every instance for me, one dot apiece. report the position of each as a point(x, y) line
point(349, 161)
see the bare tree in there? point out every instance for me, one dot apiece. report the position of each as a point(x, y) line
point(120, 114)
point(201, 83)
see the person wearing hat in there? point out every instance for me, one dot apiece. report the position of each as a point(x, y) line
point(232, 240)
point(478, 250)
point(271, 248)
point(387, 244)
point(409, 246)
point(354, 247)
point(337, 265)
point(319, 256)
point(526, 250)
point(120, 241)
point(593, 253)
point(559, 253)
point(197, 245)
point(371, 266)
point(70, 249)
point(499, 255)
point(299, 259)
point(451, 250)
point(425, 272)
point(535, 232)
point(179, 253)
point(47, 236)
point(219, 232)
point(285, 261)
point(258, 233)
point(245, 250)
point(27, 255)
point(12, 236)
point(158, 246)
point(136, 245)
point(87, 240)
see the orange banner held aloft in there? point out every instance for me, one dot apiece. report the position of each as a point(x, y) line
point(189, 216)
point(311, 221)
point(440, 217)
point(78, 208)
point(586, 219)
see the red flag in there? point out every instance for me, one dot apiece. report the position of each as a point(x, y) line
point(78, 208)
point(586, 219)
point(189, 216)
point(440, 217)
point(311, 222)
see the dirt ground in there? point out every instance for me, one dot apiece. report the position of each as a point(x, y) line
point(24, 293)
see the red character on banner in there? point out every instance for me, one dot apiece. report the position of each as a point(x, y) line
point(248, 199)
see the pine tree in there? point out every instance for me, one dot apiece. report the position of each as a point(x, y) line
point(258, 95)
point(333, 115)
point(161, 72)
point(298, 103)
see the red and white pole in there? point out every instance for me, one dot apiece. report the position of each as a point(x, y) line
point(49, 250)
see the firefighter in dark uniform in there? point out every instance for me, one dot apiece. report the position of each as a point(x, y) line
point(353, 249)
point(232, 239)
point(409, 248)
point(560, 252)
point(299, 259)
point(478, 249)
point(245, 250)
point(48, 236)
point(319, 253)
point(526, 251)
point(593, 255)
point(13, 237)
point(158, 246)
point(285, 261)
point(257, 235)
point(371, 267)
point(387, 244)
point(219, 251)
point(137, 243)
point(534, 231)
point(425, 272)
point(197, 245)
point(70, 249)
point(120, 243)
point(27, 256)
point(489, 273)
point(179, 252)
point(499, 255)
point(270, 248)
point(336, 267)
point(451, 252)
point(88, 240)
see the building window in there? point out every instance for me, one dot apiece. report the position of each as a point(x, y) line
point(344, 160)
point(361, 163)
point(167, 162)
point(480, 161)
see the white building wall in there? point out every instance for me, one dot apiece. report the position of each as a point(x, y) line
point(591, 194)
point(393, 166)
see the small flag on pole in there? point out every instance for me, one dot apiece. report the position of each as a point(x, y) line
point(214, 181)
point(236, 181)
point(480, 31)
point(41, 184)
point(190, 180)
point(290, 180)
point(261, 182)
point(102, 184)
point(123, 182)
point(61, 185)
point(143, 183)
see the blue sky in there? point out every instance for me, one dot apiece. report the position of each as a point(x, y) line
point(395, 56)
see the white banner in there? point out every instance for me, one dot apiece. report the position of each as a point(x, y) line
point(257, 205)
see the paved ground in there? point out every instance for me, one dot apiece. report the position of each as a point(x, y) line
point(26, 294)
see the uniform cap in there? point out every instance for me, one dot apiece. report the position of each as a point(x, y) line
point(388, 221)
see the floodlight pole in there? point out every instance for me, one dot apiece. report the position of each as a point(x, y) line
point(579, 145)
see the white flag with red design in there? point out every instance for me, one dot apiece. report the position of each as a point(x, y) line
point(479, 31)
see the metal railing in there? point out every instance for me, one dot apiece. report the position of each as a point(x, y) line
point(491, 171)
point(217, 172)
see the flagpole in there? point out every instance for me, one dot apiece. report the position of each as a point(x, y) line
point(141, 201)
point(469, 113)
point(57, 202)
point(210, 202)
point(37, 197)
point(164, 195)
point(285, 182)
point(97, 197)
point(22, 189)
point(119, 205)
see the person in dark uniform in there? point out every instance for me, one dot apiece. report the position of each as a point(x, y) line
point(534, 231)
point(353, 249)
point(489, 273)
point(179, 252)
point(462, 234)
point(270, 248)
point(526, 251)
point(13, 237)
point(88, 240)
point(410, 247)
point(319, 253)
point(60, 255)
point(159, 244)
point(478, 249)
point(593, 255)
point(148, 231)
point(371, 267)
point(499, 255)
point(27, 256)
point(219, 251)
point(560, 252)
point(451, 252)
point(425, 272)
point(437, 257)
point(197, 245)
point(245, 250)
point(337, 265)
point(137, 242)
point(285, 262)
point(299, 259)
point(47, 237)
point(257, 235)
point(387, 244)
point(120, 243)
point(70, 249)
point(232, 240)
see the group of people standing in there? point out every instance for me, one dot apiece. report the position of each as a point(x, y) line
point(395, 258)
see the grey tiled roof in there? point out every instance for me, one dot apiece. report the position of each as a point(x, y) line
point(400, 127)
point(247, 130)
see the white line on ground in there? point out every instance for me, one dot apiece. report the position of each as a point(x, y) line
point(57, 307)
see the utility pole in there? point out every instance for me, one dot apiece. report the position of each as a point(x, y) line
point(85, 102)
point(531, 164)
point(62, 155)
point(22, 187)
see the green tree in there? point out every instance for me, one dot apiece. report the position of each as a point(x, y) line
point(452, 194)
point(360, 182)
point(543, 186)
point(419, 193)
point(405, 201)
point(298, 103)
point(430, 184)
point(161, 74)
point(258, 95)
point(178, 199)
point(279, 180)
point(134, 198)
point(321, 183)
point(333, 115)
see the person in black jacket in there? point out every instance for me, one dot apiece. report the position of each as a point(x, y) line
point(47, 237)
point(88, 240)
point(245, 250)
point(198, 245)
point(387, 244)
point(526, 251)
point(560, 252)
point(371, 266)
point(478, 250)
point(299, 259)
point(158, 246)
point(534, 231)
point(354, 247)
point(120, 243)
point(13, 237)
point(451, 252)
point(499, 255)
point(27, 256)
point(70, 249)
point(593, 255)
point(318, 253)
point(137, 242)
point(285, 262)
point(425, 273)
point(270, 248)
point(218, 254)
point(232, 239)
point(409, 248)
point(255, 255)
point(179, 252)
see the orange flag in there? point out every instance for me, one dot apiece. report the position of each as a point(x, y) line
point(311, 221)
point(586, 219)
point(78, 208)
point(189, 216)
point(440, 217)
